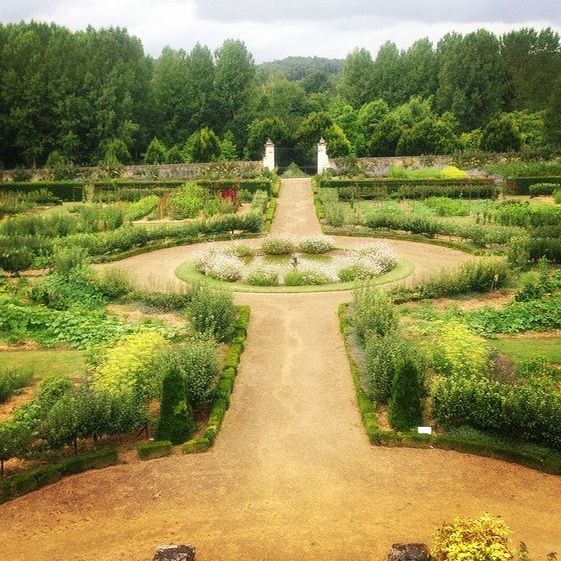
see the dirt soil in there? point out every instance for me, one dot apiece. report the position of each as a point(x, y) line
point(292, 476)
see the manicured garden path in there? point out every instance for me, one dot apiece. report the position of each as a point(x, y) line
point(292, 475)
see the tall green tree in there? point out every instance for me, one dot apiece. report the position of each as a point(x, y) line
point(234, 75)
point(552, 118)
point(388, 74)
point(473, 81)
point(357, 77)
point(531, 58)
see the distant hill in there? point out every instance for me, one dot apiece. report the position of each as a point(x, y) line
point(299, 67)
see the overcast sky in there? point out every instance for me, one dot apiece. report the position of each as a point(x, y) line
point(276, 29)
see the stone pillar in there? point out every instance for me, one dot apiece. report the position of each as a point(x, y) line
point(269, 158)
point(323, 158)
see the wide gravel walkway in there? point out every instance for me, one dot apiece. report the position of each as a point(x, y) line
point(292, 476)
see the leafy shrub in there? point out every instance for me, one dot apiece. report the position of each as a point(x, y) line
point(373, 312)
point(406, 405)
point(457, 352)
point(12, 380)
point(306, 277)
point(476, 539)
point(524, 214)
point(113, 283)
point(212, 312)
point(129, 367)
point(175, 423)
point(242, 250)
point(62, 292)
point(277, 245)
point(16, 260)
point(197, 364)
point(167, 298)
point(448, 207)
point(383, 355)
point(528, 411)
point(557, 196)
point(65, 260)
point(143, 207)
point(187, 202)
point(153, 450)
point(543, 189)
point(14, 441)
point(478, 275)
point(263, 276)
point(516, 317)
point(315, 244)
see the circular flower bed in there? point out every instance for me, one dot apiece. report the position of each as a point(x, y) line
point(278, 264)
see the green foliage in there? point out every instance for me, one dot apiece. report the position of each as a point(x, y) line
point(187, 202)
point(479, 539)
point(516, 317)
point(205, 146)
point(143, 207)
point(277, 245)
point(501, 134)
point(113, 283)
point(526, 214)
point(263, 277)
point(153, 450)
point(479, 275)
point(406, 406)
point(129, 367)
point(448, 207)
point(429, 136)
point(13, 380)
point(65, 291)
point(457, 352)
point(305, 277)
point(373, 312)
point(175, 423)
point(316, 244)
point(14, 441)
point(156, 153)
point(383, 355)
point(195, 363)
point(543, 189)
point(212, 312)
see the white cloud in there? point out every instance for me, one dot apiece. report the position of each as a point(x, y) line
point(286, 31)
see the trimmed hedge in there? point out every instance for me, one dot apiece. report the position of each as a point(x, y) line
point(64, 190)
point(75, 190)
point(23, 483)
point(411, 188)
point(225, 387)
point(521, 185)
point(153, 450)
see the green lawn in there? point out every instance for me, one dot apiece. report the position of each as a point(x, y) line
point(525, 349)
point(44, 363)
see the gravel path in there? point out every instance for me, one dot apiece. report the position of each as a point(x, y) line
point(292, 476)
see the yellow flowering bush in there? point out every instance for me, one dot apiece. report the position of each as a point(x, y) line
point(452, 172)
point(473, 539)
point(456, 351)
point(130, 366)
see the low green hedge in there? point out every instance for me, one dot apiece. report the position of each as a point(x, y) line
point(23, 483)
point(521, 185)
point(64, 190)
point(379, 188)
point(550, 463)
point(75, 190)
point(225, 388)
point(152, 450)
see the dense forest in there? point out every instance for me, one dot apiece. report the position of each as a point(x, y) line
point(94, 96)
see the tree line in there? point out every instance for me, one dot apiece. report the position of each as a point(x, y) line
point(94, 96)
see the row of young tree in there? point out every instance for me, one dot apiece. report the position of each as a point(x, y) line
point(94, 96)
